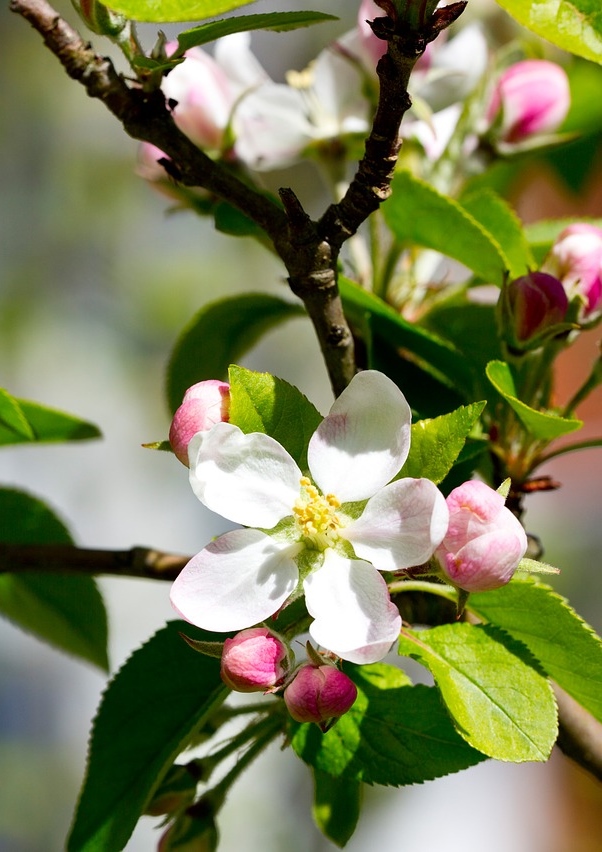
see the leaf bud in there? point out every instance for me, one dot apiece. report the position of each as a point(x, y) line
point(484, 541)
point(255, 660)
point(99, 19)
point(319, 694)
point(204, 405)
point(176, 791)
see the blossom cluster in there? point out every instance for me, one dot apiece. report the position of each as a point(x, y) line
point(330, 533)
point(228, 105)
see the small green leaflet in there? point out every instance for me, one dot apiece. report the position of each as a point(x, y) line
point(495, 214)
point(67, 611)
point(171, 11)
point(437, 443)
point(417, 213)
point(260, 402)
point(573, 25)
point(568, 649)
point(544, 425)
point(218, 335)
point(395, 733)
point(158, 700)
point(277, 21)
point(500, 703)
point(22, 421)
point(336, 806)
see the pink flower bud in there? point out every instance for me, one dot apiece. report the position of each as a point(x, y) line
point(576, 259)
point(204, 405)
point(319, 694)
point(201, 96)
point(255, 660)
point(484, 542)
point(532, 96)
point(372, 46)
point(536, 302)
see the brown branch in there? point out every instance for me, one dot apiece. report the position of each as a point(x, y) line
point(141, 562)
point(580, 734)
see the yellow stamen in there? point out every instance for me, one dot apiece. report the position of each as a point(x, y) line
point(316, 516)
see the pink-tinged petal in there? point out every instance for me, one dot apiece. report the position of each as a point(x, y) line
point(238, 580)
point(354, 616)
point(363, 441)
point(401, 526)
point(249, 479)
point(486, 562)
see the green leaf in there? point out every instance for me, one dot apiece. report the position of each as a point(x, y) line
point(417, 213)
point(22, 421)
point(278, 21)
point(170, 11)
point(336, 806)
point(501, 705)
point(573, 25)
point(436, 444)
point(543, 425)
point(567, 648)
point(447, 364)
point(395, 733)
point(495, 214)
point(219, 334)
point(14, 427)
point(151, 709)
point(64, 610)
point(260, 402)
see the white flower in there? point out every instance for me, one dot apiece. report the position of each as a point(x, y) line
point(276, 122)
point(320, 541)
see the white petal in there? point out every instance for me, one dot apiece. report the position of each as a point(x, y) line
point(363, 441)
point(238, 580)
point(353, 613)
point(249, 479)
point(233, 53)
point(401, 526)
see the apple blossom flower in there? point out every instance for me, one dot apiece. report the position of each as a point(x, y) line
point(255, 660)
point(204, 405)
point(204, 90)
point(484, 542)
point(529, 98)
point(576, 259)
point(275, 123)
point(536, 303)
point(319, 694)
point(313, 536)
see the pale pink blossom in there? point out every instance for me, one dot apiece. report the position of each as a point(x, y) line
point(312, 536)
point(576, 259)
point(204, 405)
point(484, 542)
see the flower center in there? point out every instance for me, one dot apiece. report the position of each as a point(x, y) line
point(315, 515)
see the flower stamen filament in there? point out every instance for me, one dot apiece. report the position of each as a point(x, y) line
point(316, 517)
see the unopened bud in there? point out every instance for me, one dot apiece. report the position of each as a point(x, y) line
point(576, 259)
point(175, 792)
point(255, 660)
point(484, 541)
point(204, 405)
point(534, 306)
point(319, 694)
point(530, 97)
point(193, 831)
point(99, 19)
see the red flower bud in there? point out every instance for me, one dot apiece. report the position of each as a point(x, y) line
point(536, 303)
point(255, 660)
point(319, 694)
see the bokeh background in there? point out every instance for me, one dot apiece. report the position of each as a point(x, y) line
point(97, 279)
